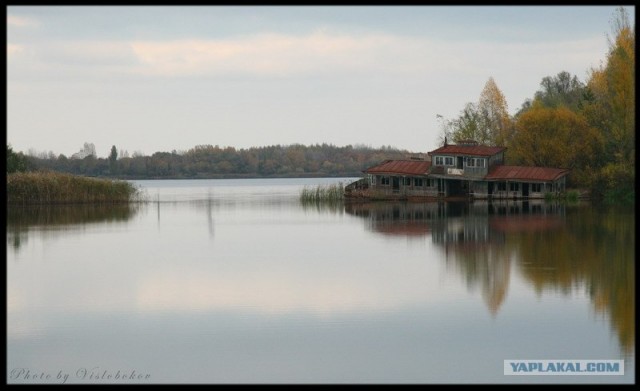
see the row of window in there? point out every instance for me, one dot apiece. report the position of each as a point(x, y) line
point(417, 182)
point(420, 182)
point(468, 161)
point(515, 186)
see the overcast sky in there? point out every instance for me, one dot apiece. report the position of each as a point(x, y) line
point(157, 78)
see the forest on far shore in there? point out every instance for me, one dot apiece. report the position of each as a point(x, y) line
point(211, 162)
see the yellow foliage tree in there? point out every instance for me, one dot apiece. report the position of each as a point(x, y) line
point(611, 108)
point(613, 89)
point(556, 137)
point(495, 123)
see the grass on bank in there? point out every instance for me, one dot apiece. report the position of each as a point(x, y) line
point(322, 193)
point(59, 188)
point(571, 196)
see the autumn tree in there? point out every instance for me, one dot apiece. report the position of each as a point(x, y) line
point(611, 108)
point(495, 123)
point(486, 122)
point(556, 137)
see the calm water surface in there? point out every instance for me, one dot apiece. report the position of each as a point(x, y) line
point(234, 281)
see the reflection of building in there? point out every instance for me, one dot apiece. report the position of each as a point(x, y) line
point(471, 235)
point(398, 219)
point(466, 169)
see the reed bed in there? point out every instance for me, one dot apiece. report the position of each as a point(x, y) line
point(58, 188)
point(333, 193)
point(571, 196)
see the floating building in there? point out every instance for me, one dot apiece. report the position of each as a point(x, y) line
point(454, 171)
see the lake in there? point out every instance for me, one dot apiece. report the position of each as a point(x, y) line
point(236, 281)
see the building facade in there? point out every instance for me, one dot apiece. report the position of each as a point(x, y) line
point(462, 170)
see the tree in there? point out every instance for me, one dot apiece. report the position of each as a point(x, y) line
point(16, 162)
point(487, 122)
point(495, 123)
point(113, 157)
point(613, 87)
point(561, 90)
point(89, 149)
point(611, 108)
point(556, 137)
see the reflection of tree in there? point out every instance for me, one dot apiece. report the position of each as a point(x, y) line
point(594, 250)
point(478, 254)
point(553, 247)
point(487, 265)
point(21, 219)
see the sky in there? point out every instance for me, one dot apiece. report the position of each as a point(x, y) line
point(160, 78)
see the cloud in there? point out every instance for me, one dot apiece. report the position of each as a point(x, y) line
point(14, 49)
point(270, 54)
point(20, 21)
point(256, 55)
point(76, 60)
point(94, 53)
point(320, 52)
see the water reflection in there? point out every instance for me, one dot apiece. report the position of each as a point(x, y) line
point(594, 250)
point(474, 240)
point(397, 219)
point(554, 247)
point(22, 219)
point(295, 293)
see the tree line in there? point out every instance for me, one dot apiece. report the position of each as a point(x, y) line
point(587, 127)
point(208, 161)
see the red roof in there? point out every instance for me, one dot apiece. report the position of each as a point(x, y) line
point(409, 167)
point(526, 173)
point(476, 150)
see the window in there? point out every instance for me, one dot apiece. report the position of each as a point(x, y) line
point(444, 160)
point(536, 187)
point(429, 183)
point(418, 182)
point(407, 181)
point(513, 186)
point(475, 162)
point(384, 180)
point(502, 186)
